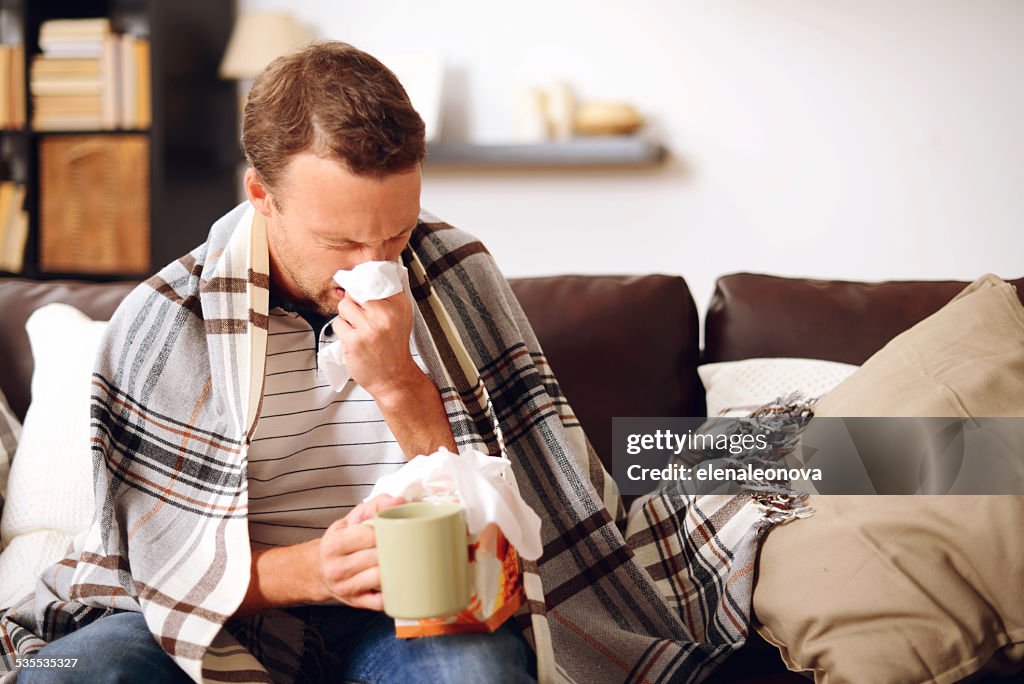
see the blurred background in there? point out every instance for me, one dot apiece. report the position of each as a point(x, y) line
point(855, 140)
point(861, 140)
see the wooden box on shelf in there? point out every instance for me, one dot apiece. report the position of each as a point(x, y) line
point(94, 204)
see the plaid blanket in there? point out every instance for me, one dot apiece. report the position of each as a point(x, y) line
point(176, 396)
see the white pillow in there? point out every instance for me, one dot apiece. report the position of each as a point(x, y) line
point(50, 489)
point(10, 433)
point(737, 388)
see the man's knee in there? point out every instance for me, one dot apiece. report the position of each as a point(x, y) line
point(502, 657)
point(116, 648)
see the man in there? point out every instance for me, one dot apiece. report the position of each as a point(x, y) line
point(228, 475)
point(334, 189)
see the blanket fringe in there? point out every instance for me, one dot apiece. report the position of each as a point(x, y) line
point(781, 508)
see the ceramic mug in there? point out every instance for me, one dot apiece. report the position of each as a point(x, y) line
point(424, 559)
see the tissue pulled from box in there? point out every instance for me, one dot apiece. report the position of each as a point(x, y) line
point(372, 280)
point(478, 482)
point(369, 281)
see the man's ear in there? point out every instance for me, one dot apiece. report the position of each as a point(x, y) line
point(257, 192)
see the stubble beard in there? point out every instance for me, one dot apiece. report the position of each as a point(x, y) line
point(318, 300)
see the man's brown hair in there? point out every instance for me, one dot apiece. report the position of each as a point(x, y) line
point(335, 101)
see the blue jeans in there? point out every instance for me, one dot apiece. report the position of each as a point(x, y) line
point(116, 648)
point(360, 646)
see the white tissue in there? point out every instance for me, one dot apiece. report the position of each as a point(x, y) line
point(332, 365)
point(366, 282)
point(372, 280)
point(478, 482)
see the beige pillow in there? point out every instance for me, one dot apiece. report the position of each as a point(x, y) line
point(967, 359)
point(10, 433)
point(900, 588)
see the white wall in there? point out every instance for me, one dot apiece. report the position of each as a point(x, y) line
point(865, 139)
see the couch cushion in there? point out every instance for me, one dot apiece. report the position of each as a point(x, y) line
point(738, 388)
point(51, 477)
point(18, 299)
point(619, 346)
point(753, 316)
point(10, 433)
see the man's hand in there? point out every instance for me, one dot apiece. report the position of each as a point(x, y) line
point(375, 336)
point(339, 566)
point(348, 557)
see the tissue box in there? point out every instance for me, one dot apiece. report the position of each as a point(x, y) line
point(496, 590)
point(500, 526)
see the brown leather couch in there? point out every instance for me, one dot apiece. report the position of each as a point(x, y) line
point(620, 346)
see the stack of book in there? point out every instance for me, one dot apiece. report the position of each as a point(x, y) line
point(88, 77)
point(13, 226)
point(12, 86)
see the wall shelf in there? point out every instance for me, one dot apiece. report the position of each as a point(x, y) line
point(619, 151)
point(39, 132)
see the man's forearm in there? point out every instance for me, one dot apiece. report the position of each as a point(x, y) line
point(284, 576)
point(416, 416)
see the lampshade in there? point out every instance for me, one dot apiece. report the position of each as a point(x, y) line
point(258, 38)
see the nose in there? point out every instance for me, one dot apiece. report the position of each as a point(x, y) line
point(378, 251)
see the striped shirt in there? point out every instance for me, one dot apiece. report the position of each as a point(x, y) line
point(316, 453)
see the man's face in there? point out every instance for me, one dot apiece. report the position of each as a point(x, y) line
point(325, 219)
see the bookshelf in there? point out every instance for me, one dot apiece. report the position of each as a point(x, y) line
point(172, 161)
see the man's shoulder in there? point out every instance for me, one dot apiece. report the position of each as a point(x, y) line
point(177, 283)
point(180, 280)
point(434, 238)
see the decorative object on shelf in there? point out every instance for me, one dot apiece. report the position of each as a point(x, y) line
point(560, 110)
point(94, 212)
point(531, 116)
point(608, 118)
point(552, 113)
point(544, 114)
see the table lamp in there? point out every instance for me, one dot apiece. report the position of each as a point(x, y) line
point(258, 38)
